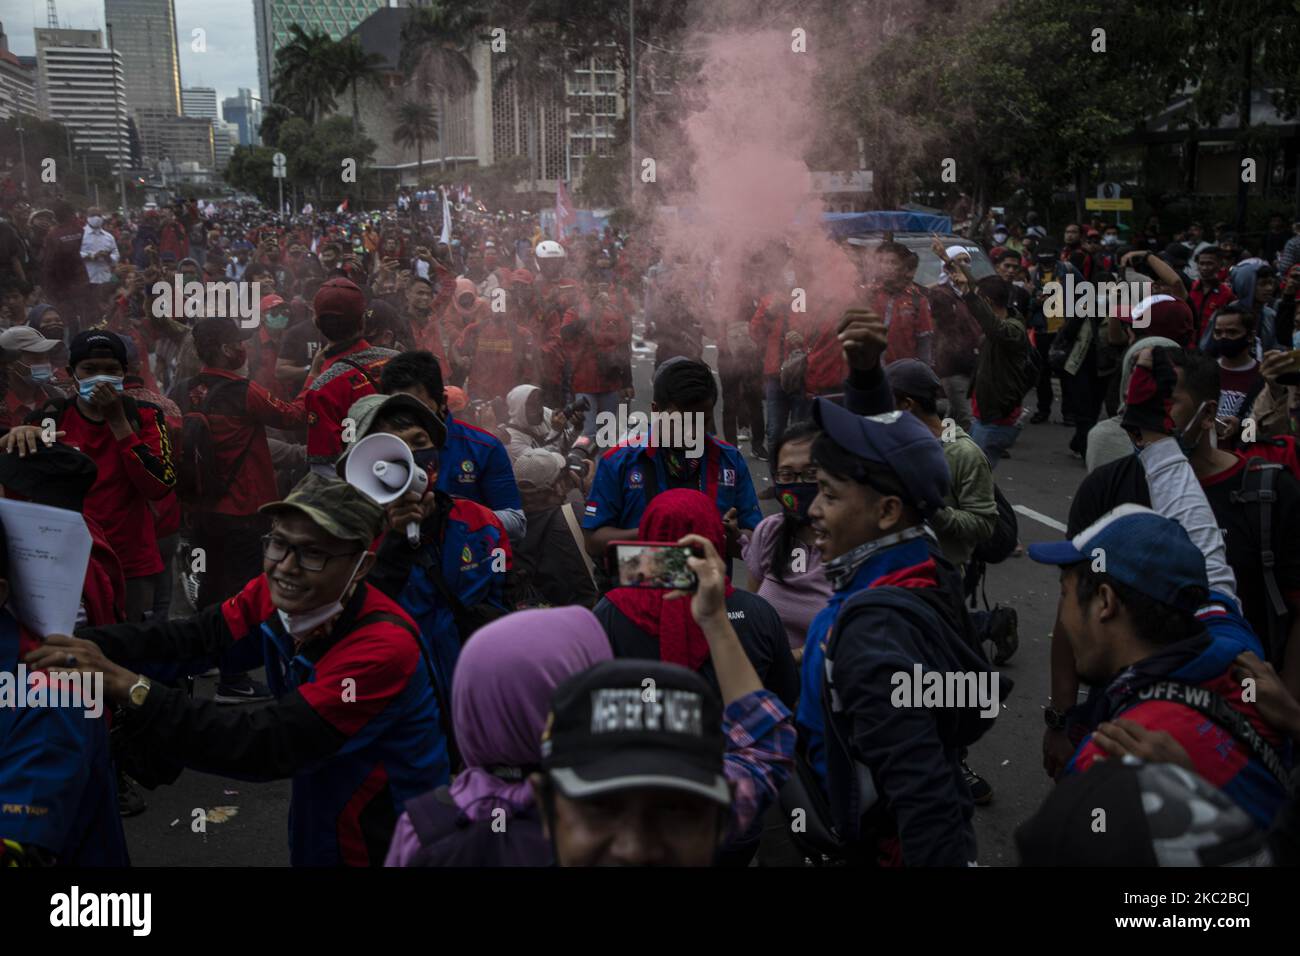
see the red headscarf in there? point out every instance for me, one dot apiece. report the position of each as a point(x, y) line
point(672, 514)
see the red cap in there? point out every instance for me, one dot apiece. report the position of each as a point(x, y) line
point(456, 398)
point(340, 296)
point(269, 302)
point(523, 275)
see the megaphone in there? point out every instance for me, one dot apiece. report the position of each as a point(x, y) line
point(381, 467)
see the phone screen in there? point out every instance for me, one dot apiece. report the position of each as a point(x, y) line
point(649, 564)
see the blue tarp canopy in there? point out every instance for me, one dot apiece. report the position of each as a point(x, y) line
point(842, 224)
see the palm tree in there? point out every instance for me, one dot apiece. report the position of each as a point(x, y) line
point(432, 54)
point(415, 124)
point(304, 73)
point(352, 66)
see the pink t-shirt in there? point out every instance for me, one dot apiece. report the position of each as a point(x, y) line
point(803, 593)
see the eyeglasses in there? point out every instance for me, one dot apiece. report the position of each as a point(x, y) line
point(276, 549)
point(788, 477)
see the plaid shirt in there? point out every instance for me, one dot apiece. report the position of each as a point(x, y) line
point(760, 755)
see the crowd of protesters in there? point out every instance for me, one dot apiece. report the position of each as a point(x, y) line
point(454, 674)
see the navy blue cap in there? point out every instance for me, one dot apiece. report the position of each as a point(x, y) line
point(895, 441)
point(1150, 553)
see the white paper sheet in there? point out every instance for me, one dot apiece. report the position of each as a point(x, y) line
point(49, 549)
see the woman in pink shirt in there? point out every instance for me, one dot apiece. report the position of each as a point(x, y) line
point(785, 569)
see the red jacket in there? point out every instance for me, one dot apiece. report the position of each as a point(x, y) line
point(1206, 301)
point(767, 327)
point(350, 372)
point(238, 415)
point(907, 318)
point(498, 353)
point(133, 471)
point(598, 350)
point(166, 511)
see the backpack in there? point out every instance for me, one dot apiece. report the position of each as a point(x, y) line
point(832, 831)
point(1257, 481)
point(1006, 532)
point(198, 480)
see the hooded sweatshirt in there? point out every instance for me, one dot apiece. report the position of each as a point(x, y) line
point(523, 435)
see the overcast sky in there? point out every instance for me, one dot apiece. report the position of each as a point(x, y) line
point(229, 63)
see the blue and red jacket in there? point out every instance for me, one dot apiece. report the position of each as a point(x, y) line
point(618, 495)
point(916, 809)
point(354, 722)
point(58, 791)
point(468, 547)
point(473, 464)
point(1204, 661)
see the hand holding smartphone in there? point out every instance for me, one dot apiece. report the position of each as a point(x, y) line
point(658, 565)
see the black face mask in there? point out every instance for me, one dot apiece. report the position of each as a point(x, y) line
point(1229, 348)
point(338, 328)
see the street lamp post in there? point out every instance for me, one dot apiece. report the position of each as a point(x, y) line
point(631, 101)
point(22, 151)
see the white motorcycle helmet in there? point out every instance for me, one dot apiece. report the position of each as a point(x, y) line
point(549, 249)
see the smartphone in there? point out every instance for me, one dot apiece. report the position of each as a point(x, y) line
point(659, 565)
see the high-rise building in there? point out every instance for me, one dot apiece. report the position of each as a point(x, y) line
point(144, 32)
point(225, 137)
point(199, 102)
point(272, 19)
point(81, 85)
point(17, 82)
point(245, 111)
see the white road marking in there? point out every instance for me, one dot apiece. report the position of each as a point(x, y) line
point(1039, 517)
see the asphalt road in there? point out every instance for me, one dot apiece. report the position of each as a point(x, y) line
point(1040, 476)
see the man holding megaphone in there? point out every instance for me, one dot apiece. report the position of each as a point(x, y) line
point(355, 721)
point(444, 559)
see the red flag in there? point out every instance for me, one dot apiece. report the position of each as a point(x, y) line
point(565, 215)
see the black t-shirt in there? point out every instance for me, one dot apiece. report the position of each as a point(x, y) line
point(1124, 482)
point(757, 625)
point(301, 342)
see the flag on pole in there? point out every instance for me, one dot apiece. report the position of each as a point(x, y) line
point(445, 238)
point(565, 216)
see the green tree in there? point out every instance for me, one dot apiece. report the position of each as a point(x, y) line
point(352, 67)
point(250, 171)
point(434, 42)
point(416, 124)
point(304, 78)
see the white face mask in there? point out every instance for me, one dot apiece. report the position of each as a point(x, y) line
point(301, 624)
point(999, 237)
point(95, 222)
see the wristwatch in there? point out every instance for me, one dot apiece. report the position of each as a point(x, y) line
point(138, 691)
point(1055, 719)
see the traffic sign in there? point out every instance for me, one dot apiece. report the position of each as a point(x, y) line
point(1109, 205)
point(1108, 191)
point(278, 160)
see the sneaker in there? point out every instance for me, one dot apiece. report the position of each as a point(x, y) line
point(1003, 630)
point(130, 801)
point(241, 690)
point(759, 451)
point(1040, 417)
point(980, 791)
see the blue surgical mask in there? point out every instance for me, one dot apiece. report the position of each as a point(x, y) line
point(85, 386)
point(40, 373)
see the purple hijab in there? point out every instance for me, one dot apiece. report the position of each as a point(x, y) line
point(501, 695)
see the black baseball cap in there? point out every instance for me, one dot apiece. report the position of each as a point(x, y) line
point(214, 332)
point(628, 724)
point(1123, 812)
point(96, 343)
point(913, 378)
